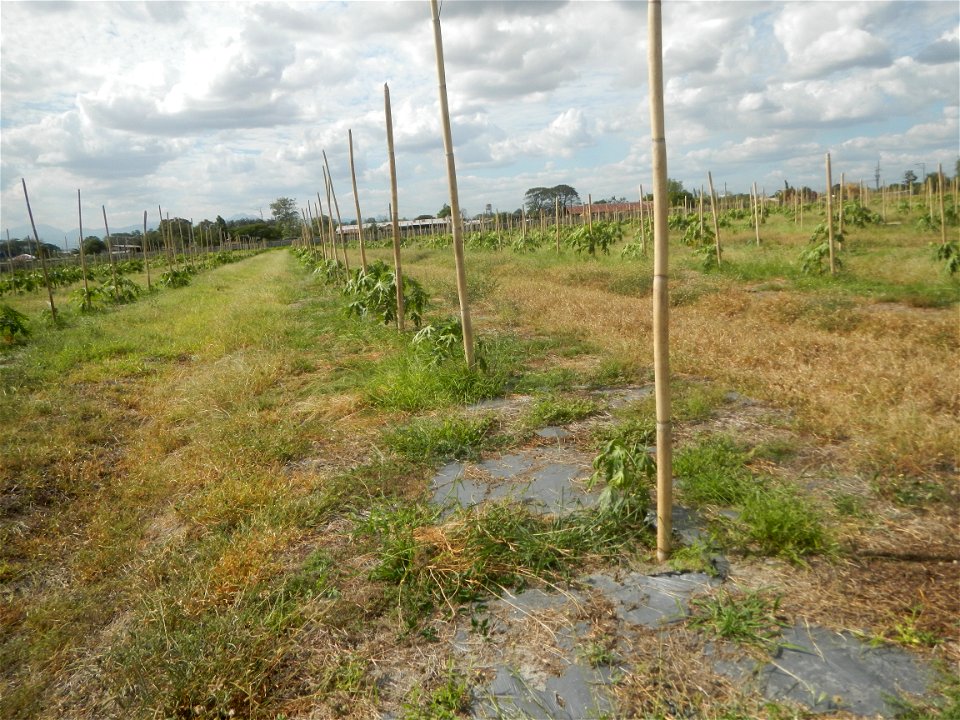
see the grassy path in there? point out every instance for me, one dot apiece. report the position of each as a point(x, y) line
point(143, 455)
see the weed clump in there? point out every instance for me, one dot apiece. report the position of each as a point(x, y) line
point(748, 619)
point(484, 550)
point(453, 438)
point(773, 519)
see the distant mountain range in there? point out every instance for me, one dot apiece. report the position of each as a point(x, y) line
point(55, 235)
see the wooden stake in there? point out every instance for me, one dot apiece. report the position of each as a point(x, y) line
point(840, 209)
point(318, 207)
point(146, 259)
point(556, 216)
point(465, 321)
point(163, 239)
point(643, 226)
point(83, 255)
point(713, 210)
point(829, 201)
point(113, 262)
point(756, 212)
point(700, 210)
point(661, 300)
point(943, 223)
point(336, 205)
point(330, 232)
point(43, 262)
point(394, 215)
point(356, 203)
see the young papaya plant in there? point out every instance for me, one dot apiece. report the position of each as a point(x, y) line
point(13, 325)
point(373, 292)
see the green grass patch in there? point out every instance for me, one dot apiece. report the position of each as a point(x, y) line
point(438, 439)
point(773, 519)
point(447, 701)
point(478, 552)
point(748, 618)
point(713, 472)
point(558, 410)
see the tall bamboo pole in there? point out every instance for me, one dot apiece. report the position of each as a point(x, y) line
point(465, 322)
point(556, 223)
point(661, 300)
point(330, 229)
point(700, 210)
point(336, 205)
point(113, 261)
point(43, 262)
point(394, 215)
point(183, 245)
point(163, 238)
point(146, 259)
point(829, 201)
point(643, 226)
point(943, 223)
point(713, 210)
point(840, 208)
point(356, 203)
point(318, 208)
point(83, 255)
point(756, 212)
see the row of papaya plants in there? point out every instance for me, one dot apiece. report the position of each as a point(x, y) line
point(15, 325)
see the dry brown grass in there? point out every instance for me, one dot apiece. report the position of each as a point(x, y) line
point(881, 380)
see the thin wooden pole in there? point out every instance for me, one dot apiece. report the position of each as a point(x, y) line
point(318, 208)
point(840, 209)
point(356, 203)
point(163, 239)
point(394, 215)
point(330, 233)
point(829, 201)
point(661, 299)
point(465, 321)
point(700, 210)
point(83, 255)
point(713, 210)
point(146, 258)
point(756, 212)
point(113, 262)
point(336, 205)
point(943, 223)
point(556, 223)
point(183, 245)
point(643, 225)
point(43, 262)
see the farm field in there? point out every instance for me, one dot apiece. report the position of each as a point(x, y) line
point(218, 501)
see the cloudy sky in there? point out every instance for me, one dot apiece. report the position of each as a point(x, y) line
point(219, 108)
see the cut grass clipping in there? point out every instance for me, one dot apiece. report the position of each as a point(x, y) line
point(774, 519)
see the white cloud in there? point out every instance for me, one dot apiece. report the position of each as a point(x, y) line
point(567, 132)
point(823, 38)
point(218, 108)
